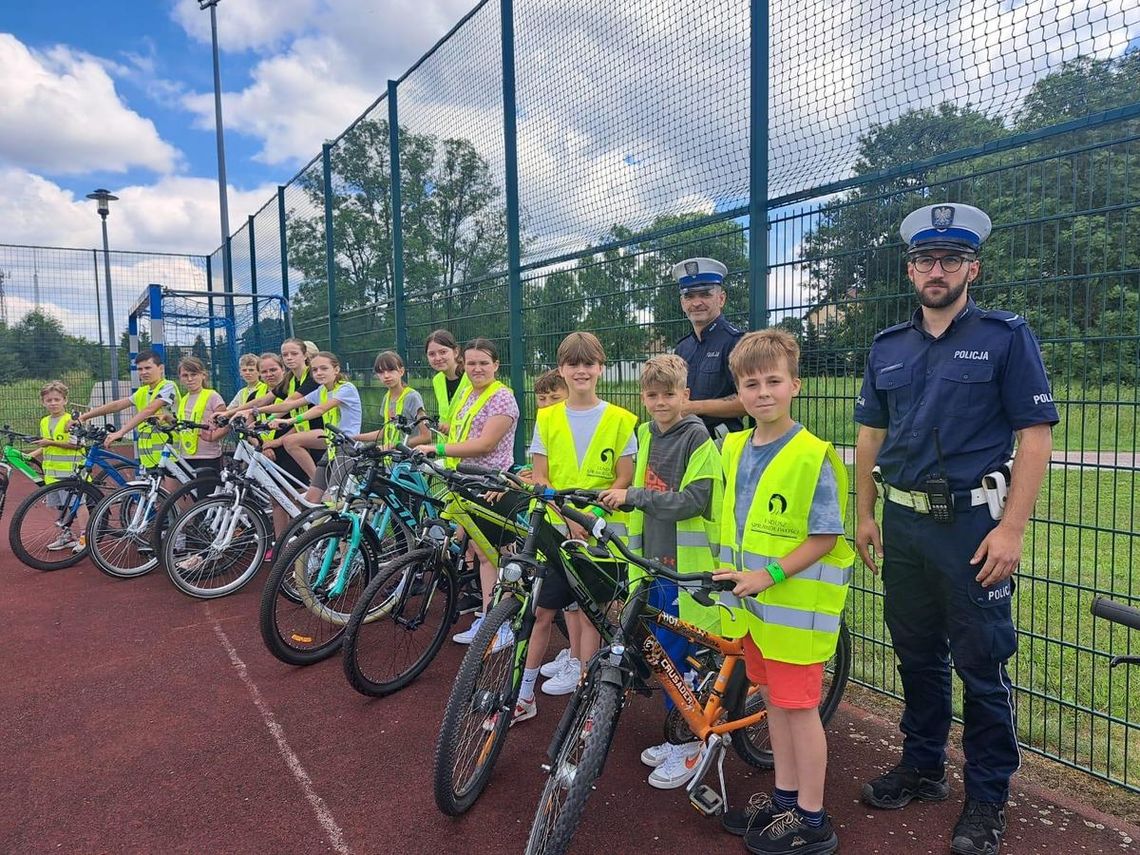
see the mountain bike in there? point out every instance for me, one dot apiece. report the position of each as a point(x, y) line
point(48, 530)
point(14, 459)
point(722, 710)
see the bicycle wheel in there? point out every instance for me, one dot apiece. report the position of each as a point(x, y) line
point(38, 532)
point(119, 531)
point(101, 477)
point(216, 547)
point(578, 763)
point(399, 623)
point(478, 712)
point(754, 744)
point(306, 625)
point(177, 503)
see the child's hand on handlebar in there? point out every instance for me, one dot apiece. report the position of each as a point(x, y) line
point(613, 499)
point(748, 583)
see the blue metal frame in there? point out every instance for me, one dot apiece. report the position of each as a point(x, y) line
point(401, 311)
point(330, 246)
point(514, 249)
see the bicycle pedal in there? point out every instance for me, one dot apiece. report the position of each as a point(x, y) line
point(706, 800)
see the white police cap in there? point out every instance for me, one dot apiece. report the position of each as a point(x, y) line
point(699, 273)
point(946, 226)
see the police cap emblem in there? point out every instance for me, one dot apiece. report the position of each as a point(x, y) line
point(942, 216)
point(692, 268)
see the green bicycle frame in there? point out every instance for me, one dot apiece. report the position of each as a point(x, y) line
point(19, 460)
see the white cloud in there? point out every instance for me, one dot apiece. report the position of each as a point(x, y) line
point(248, 24)
point(175, 214)
point(61, 114)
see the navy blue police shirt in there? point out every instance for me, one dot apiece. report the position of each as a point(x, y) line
point(979, 382)
point(707, 358)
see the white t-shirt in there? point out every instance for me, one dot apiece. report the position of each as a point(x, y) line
point(350, 410)
point(583, 426)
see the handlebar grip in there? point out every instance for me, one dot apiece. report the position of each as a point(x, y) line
point(1111, 610)
point(587, 521)
point(475, 469)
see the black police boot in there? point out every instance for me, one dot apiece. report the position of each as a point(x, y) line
point(759, 813)
point(788, 834)
point(979, 829)
point(903, 784)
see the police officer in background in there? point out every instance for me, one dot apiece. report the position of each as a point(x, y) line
point(943, 395)
point(712, 391)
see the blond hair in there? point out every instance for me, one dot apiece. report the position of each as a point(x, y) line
point(581, 348)
point(668, 371)
point(54, 386)
point(764, 350)
point(248, 360)
point(550, 382)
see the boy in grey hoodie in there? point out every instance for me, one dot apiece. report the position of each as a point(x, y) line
point(676, 495)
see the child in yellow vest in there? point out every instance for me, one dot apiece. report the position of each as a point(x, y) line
point(248, 368)
point(155, 397)
point(399, 400)
point(202, 449)
point(587, 443)
point(57, 451)
point(782, 536)
point(676, 496)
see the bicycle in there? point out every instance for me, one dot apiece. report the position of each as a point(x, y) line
point(722, 710)
point(38, 533)
point(318, 579)
point(14, 459)
point(401, 620)
point(118, 531)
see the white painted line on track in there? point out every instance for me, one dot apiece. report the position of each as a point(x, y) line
point(292, 761)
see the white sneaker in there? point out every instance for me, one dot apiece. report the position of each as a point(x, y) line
point(655, 755)
point(555, 665)
point(566, 680)
point(504, 638)
point(66, 540)
point(468, 636)
point(678, 768)
point(524, 709)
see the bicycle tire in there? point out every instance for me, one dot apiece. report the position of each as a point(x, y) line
point(116, 550)
point(393, 608)
point(30, 531)
point(577, 764)
point(752, 744)
point(197, 529)
point(292, 631)
point(488, 703)
point(176, 503)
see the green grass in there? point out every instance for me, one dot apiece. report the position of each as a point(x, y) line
point(20, 406)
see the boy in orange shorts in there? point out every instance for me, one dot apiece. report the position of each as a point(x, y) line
point(782, 536)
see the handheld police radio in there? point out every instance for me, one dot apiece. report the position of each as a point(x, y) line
point(938, 489)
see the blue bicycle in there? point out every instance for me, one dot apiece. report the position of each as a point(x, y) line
point(48, 529)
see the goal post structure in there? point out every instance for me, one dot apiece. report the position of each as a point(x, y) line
point(176, 323)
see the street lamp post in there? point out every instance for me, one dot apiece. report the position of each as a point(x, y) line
point(227, 269)
point(104, 199)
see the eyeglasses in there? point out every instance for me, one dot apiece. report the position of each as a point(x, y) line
point(950, 263)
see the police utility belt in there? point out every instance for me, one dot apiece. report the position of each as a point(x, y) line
point(992, 493)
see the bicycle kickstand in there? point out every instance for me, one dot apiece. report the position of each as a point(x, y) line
point(701, 796)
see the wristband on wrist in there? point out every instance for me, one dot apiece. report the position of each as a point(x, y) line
point(440, 449)
point(776, 572)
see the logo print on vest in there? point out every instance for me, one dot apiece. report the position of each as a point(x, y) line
point(777, 504)
point(607, 455)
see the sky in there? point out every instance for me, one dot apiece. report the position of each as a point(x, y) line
point(626, 111)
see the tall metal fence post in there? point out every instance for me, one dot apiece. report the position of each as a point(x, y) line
point(231, 311)
point(213, 331)
point(758, 168)
point(511, 181)
point(284, 258)
point(253, 290)
point(397, 223)
point(330, 248)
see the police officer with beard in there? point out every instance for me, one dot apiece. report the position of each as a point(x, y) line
point(943, 396)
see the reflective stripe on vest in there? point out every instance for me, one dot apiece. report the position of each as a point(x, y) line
point(444, 407)
point(149, 442)
point(188, 439)
point(331, 417)
point(460, 428)
point(58, 462)
point(696, 536)
point(796, 620)
point(599, 469)
point(295, 386)
point(392, 434)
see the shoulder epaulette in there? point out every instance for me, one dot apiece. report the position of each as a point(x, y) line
point(732, 329)
point(1011, 319)
point(896, 328)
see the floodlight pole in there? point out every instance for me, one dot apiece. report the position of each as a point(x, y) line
point(227, 266)
point(103, 199)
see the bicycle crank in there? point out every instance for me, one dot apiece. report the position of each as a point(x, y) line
point(701, 796)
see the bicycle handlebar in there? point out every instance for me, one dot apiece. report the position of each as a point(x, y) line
point(1111, 610)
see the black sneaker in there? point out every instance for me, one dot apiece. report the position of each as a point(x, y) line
point(902, 784)
point(759, 813)
point(979, 829)
point(788, 834)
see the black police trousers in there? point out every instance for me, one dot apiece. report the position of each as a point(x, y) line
point(936, 611)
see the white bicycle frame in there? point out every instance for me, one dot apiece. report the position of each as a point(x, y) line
point(282, 487)
point(170, 464)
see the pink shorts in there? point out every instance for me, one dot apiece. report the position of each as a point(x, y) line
point(790, 686)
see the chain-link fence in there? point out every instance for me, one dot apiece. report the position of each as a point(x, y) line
point(544, 165)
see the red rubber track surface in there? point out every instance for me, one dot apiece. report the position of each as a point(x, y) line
point(134, 719)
